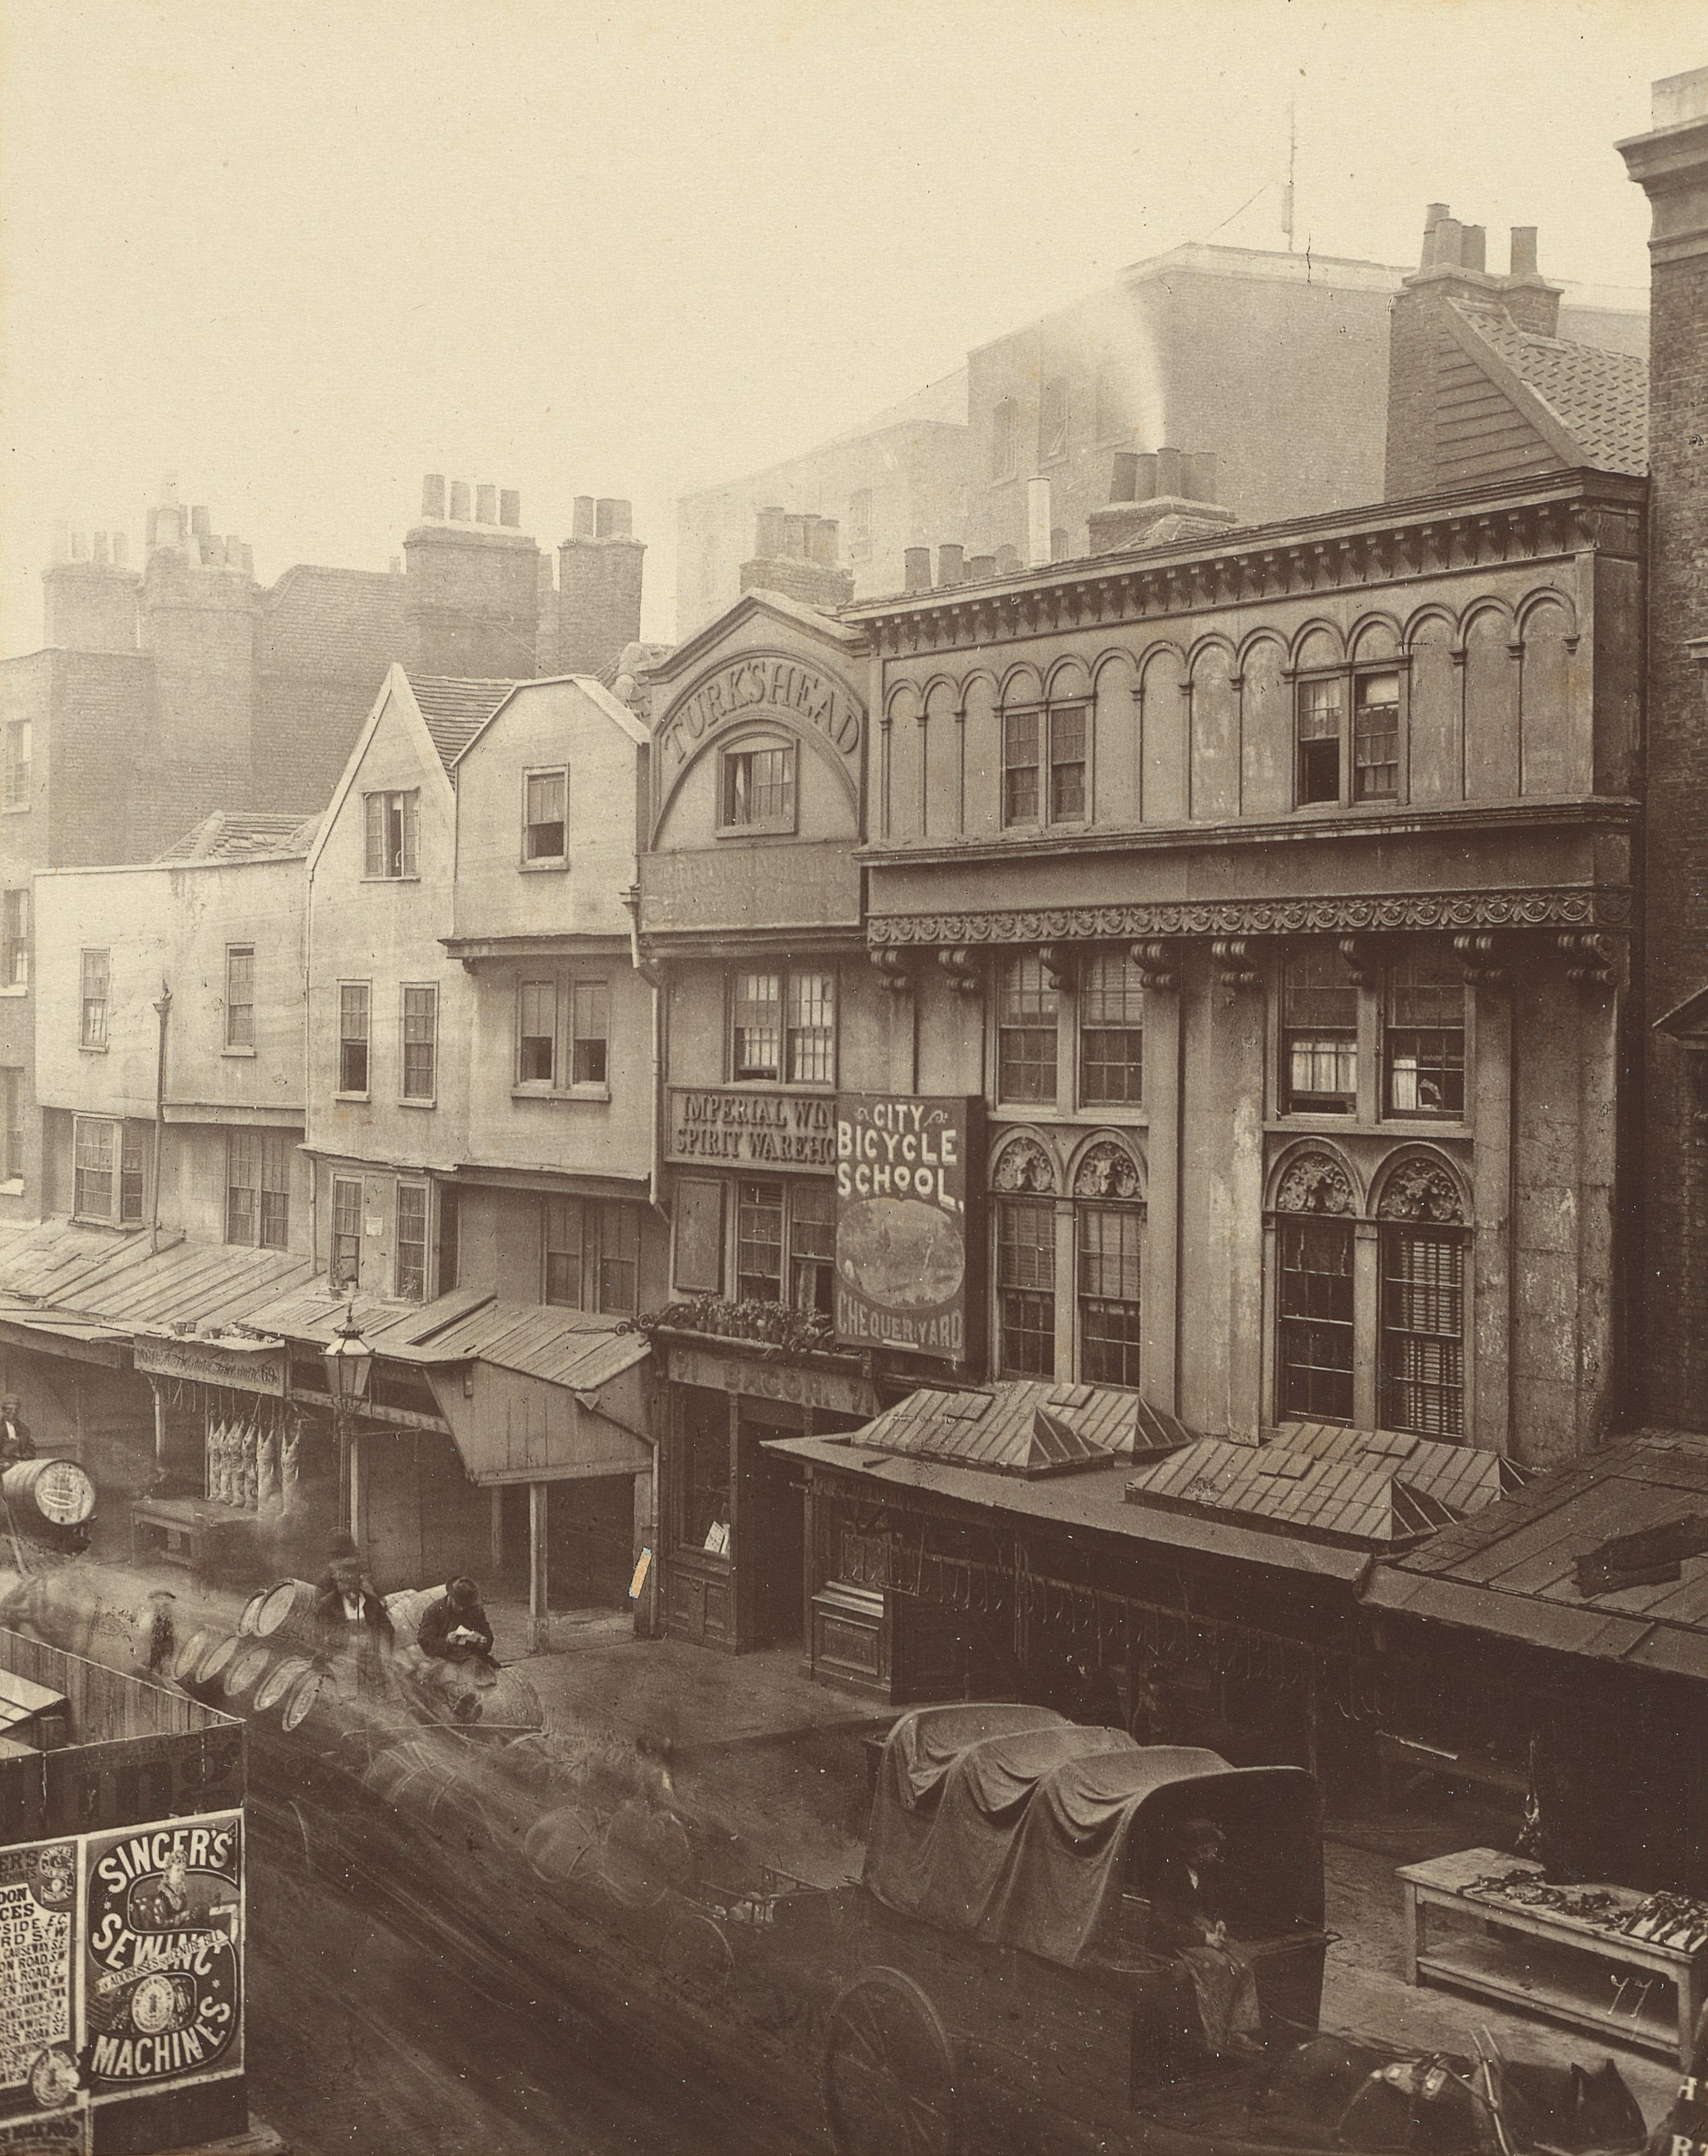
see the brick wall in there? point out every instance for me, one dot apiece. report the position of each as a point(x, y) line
point(1675, 910)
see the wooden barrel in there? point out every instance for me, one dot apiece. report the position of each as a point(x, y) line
point(246, 1621)
point(190, 1654)
point(285, 1616)
point(247, 1667)
point(509, 1706)
point(217, 1657)
point(279, 1681)
point(53, 1493)
point(305, 1698)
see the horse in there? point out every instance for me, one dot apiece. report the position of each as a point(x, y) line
point(1335, 2093)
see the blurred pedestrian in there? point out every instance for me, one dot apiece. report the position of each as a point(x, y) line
point(352, 1616)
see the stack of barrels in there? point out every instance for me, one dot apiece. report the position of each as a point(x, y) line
point(268, 1664)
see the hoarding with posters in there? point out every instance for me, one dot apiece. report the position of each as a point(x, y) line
point(902, 1255)
point(163, 1931)
point(121, 1973)
point(41, 2086)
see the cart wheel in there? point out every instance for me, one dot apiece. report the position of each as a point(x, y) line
point(644, 1854)
point(890, 2081)
point(697, 1953)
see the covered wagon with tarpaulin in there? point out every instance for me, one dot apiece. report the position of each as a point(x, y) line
point(1008, 1958)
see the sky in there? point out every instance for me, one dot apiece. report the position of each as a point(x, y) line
point(298, 255)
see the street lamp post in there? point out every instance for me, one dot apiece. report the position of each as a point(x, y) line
point(349, 1363)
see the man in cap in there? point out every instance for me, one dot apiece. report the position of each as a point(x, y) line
point(1187, 1921)
point(351, 1615)
point(16, 1443)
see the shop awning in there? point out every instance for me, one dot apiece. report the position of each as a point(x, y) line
point(85, 1283)
point(1607, 1557)
point(541, 1395)
point(1091, 1499)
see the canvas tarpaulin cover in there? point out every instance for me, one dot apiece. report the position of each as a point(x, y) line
point(1010, 1824)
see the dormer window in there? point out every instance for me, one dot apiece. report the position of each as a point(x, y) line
point(756, 786)
point(545, 818)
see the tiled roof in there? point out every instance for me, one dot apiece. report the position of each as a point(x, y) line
point(233, 835)
point(1376, 1488)
point(456, 710)
point(1026, 1427)
point(1600, 398)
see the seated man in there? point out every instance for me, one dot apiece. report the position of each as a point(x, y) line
point(455, 1628)
point(350, 1614)
point(1186, 1921)
point(16, 1443)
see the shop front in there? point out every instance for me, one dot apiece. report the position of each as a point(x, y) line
point(737, 1525)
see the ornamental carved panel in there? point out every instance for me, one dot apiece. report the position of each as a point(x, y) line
point(1025, 1166)
point(1107, 1170)
point(1421, 1190)
point(1315, 1183)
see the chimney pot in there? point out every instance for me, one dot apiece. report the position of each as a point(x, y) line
point(1473, 248)
point(99, 555)
point(1433, 214)
point(460, 501)
point(584, 517)
point(952, 565)
point(199, 525)
point(794, 538)
point(1007, 560)
point(1449, 241)
point(213, 552)
point(486, 504)
point(1168, 473)
point(433, 495)
point(981, 568)
point(768, 538)
point(510, 508)
point(605, 518)
point(916, 568)
point(1523, 261)
point(1199, 475)
point(1125, 475)
point(1038, 547)
point(1145, 478)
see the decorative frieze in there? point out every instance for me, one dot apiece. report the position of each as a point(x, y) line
point(1421, 1190)
point(1315, 1183)
point(1023, 1166)
point(1470, 913)
point(1106, 1170)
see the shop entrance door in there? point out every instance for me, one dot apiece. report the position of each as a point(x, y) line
point(590, 1534)
point(772, 1540)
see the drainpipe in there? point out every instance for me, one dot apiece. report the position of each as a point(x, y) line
point(650, 973)
point(162, 1011)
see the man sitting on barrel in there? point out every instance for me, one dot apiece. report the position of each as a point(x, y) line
point(351, 1615)
point(456, 1638)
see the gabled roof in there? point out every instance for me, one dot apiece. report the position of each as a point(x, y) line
point(238, 835)
point(1517, 1568)
point(595, 691)
point(456, 710)
point(1026, 1427)
point(1597, 400)
point(1375, 1488)
point(791, 612)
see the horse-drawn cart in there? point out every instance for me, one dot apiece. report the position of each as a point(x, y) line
point(1009, 1977)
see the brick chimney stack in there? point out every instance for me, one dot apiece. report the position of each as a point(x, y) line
point(1157, 497)
point(88, 593)
point(471, 602)
point(1452, 265)
point(599, 572)
point(1670, 165)
point(798, 556)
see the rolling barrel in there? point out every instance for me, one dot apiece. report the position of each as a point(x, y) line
point(56, 1493)
point(283, 1617)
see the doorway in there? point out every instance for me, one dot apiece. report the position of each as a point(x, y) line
point(771, 1537)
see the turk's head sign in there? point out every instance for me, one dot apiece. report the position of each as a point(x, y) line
point(902, 1256)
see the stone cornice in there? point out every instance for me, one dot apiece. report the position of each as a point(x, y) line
point(1463, 530)
point(1576, 907)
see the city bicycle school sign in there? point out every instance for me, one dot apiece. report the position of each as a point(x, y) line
point(902, 1255)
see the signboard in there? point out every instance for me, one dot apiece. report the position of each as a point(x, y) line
point(39, 2072)
point(753, 1377)
point(163, 1933)
point(257, 1367)
point(761, 684)
point(740, 1129)
point(901, 1247)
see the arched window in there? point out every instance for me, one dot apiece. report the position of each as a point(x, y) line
point(1109, 1233)
point(1422, 1302)
point(1024, 1182)
point(1314, 1343)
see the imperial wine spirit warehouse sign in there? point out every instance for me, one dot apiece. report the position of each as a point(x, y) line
point(708, 1124)
point(901, 1249)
